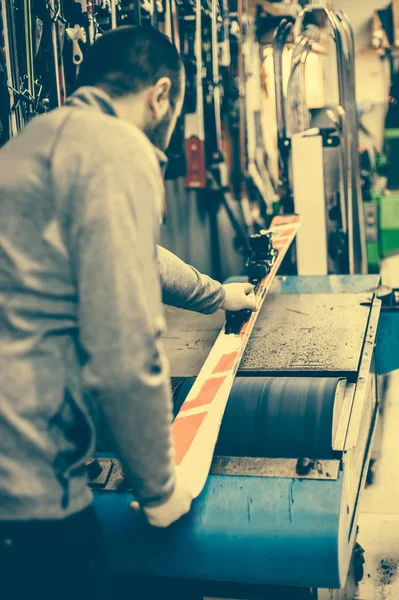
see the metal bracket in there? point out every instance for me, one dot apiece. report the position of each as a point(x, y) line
point(285, 468)
point(111, 477)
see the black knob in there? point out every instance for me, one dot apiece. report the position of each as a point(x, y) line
point(304, 466)
point(94, 469)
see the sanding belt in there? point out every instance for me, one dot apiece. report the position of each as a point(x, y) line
point(271, 417)
point(274, 417)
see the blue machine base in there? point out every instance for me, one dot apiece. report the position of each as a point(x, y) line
point(241, 529)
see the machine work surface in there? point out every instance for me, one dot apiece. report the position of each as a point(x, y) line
point(306, 333)
point(379, 508)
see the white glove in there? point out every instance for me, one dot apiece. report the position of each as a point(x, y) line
point(238, 296)
point(170, 511)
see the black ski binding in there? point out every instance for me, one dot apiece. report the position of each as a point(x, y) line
point(261, 257)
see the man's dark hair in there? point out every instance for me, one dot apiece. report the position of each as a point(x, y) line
point(129, 59)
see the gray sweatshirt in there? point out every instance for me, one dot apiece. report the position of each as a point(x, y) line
point(81, 320)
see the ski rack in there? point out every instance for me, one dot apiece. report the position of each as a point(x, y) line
point(58, 24)
point(258, 175)
point(359, 233)
point(280, 38)
point(342, 35)
point(171, 22)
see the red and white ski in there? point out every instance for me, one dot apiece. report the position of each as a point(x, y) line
point(196, 427)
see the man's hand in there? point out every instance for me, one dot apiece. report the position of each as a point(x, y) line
point(238, 296)
point(170, 511)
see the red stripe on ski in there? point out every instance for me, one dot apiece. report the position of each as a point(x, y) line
point(226, 363)
point(184, 432)
point(284, 220)
point(281, 242)
point(287, 233)
point(244, 328)
point(206, 394)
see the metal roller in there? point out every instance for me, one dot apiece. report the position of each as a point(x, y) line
point(275, 417)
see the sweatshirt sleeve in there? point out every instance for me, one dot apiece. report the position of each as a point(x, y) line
point(185, 287)
point(120, 317)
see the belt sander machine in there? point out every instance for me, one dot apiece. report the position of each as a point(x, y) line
point(280, 505)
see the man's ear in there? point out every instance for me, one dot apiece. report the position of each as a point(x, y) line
point(160, 98)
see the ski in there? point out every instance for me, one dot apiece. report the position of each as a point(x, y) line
point(47, 75)
point(359, 237)
point(11, 110)
point(214, 159)
point(169, 22)
point(196, 427)
point(224, 42)
point(285, 192)
point(340, 236)
point(237, 112)
point(31, 42)
point(217, 168)
point(57, 38)
point(242, 22)
point(395, 19)
point(194, 129)
point(258, 176)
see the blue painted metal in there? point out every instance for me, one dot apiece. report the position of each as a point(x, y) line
point(388, 341)
point(270, 531)
point(333, 284)
point(241, 529)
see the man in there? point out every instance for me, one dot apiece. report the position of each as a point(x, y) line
point(80, 311)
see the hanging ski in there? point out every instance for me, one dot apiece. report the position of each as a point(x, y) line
point(58, 24)
point(12, 119)
point(237, 110)
point(177, 165)
point(259, 182)
point(279, 40)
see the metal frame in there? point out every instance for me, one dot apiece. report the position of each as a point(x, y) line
point(259, 524)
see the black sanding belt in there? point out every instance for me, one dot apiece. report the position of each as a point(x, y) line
point(275, 417)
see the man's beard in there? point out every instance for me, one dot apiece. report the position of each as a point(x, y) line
point(158, 134)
